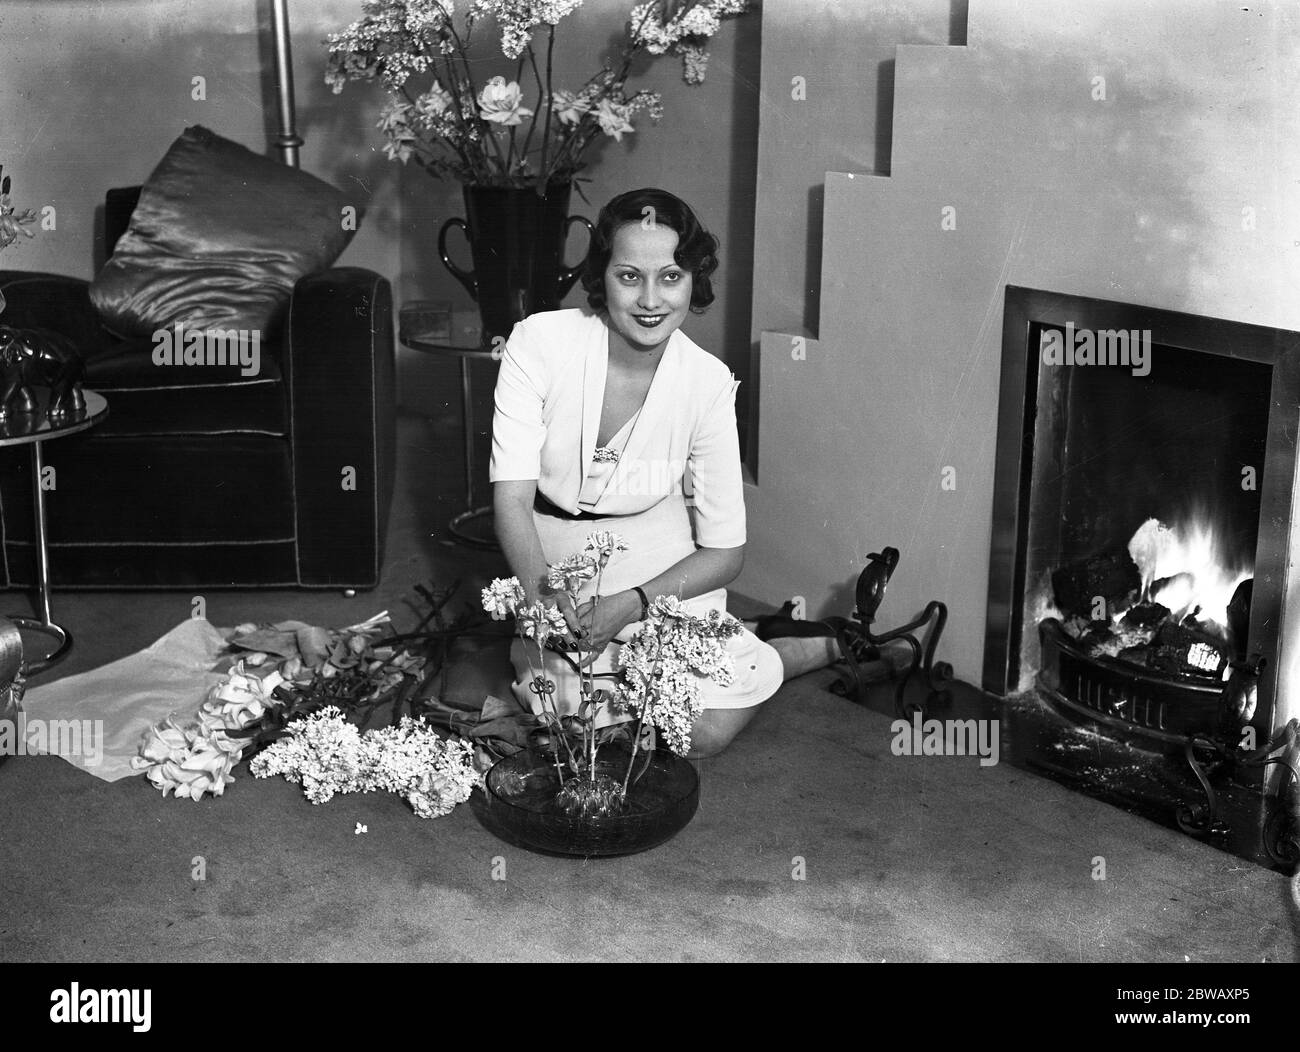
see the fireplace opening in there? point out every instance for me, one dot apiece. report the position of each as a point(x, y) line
point(1143, 549)
point(1143, 524)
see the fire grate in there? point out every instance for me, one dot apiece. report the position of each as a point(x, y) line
point(1164, 707)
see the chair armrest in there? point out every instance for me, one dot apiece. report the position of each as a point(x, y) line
point(339, 369)
point(35, 300)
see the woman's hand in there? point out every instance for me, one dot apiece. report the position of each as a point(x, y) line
point(611, 615)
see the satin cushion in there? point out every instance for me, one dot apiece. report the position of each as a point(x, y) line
point(219, 238)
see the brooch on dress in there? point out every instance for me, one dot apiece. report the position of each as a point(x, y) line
point(605, 455)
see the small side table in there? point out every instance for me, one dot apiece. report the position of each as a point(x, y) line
point(464, 340)
point(34, 430)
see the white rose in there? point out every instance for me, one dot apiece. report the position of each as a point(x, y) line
point(502, 103)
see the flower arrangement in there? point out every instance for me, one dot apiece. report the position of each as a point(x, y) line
point(439, 114)
point(658, 680)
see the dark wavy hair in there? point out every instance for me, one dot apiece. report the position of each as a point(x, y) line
point(697, 249)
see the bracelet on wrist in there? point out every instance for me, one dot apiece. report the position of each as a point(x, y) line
point(645, 603)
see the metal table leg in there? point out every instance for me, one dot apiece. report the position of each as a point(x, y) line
point(45, 625)
point(472, 512)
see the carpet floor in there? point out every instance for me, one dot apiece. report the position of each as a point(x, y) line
point(813, 842)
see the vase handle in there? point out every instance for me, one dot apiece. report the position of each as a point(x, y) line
point(465, 277)
point(568, 275)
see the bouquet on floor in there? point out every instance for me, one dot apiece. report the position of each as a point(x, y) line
point(657, 682)
point(517, 132)
point(306, 694)
point(326, 754)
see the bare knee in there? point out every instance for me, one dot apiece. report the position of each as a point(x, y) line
point(707, 742)
point(715, 730)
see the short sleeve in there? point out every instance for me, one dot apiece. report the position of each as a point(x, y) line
point(518, 429)
point(716, 480)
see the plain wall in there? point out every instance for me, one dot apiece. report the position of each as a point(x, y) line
point(1136, 198)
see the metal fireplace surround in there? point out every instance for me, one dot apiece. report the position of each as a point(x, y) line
point(1146, 711)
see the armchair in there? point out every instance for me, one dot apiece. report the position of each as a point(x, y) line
point(203, 477)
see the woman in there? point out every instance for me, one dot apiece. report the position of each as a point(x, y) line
point(609, 419)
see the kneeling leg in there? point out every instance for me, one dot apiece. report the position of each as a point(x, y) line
point(715, 729)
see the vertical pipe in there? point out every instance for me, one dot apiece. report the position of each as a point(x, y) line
point(42, 544)
point(288, 141)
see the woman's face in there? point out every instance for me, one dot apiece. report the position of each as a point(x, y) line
point(647, 294)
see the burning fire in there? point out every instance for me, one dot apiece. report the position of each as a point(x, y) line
point(1182, 569)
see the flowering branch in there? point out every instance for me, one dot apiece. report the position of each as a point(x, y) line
point(645, 708)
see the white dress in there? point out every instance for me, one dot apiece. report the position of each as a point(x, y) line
point(676, 484)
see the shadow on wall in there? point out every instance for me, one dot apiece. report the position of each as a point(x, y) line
point(884, 118)
point(813, 281)
point(957, 20)
point(737, 321)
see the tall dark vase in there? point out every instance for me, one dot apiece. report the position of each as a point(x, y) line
point(517, 241)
